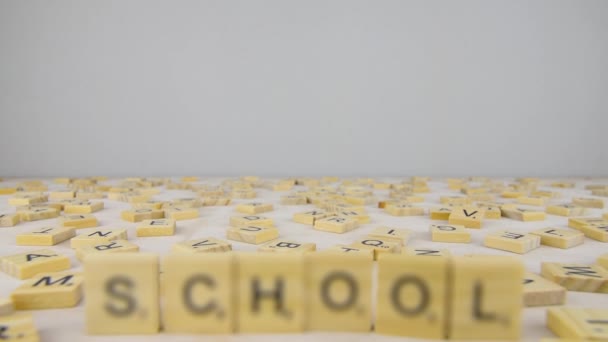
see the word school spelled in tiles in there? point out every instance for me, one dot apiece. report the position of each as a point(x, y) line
point(459, 258)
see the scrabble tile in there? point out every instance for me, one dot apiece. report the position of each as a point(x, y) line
point(426, 252)
point(110, 247)
point(522, 214)
point(27, 198)
point(98, 236)
point(187, 202)
point(49, 291)
point(270, 289)
point(202, 245)
point(309, 217)
point(62, 194)
point(404, 209)
point(294, 200)
point(566, 209)
point(511, 241)
point(198, 293)
point(603, 261)
point(9, 220)
point(576, 277)
point(150, 204)
point(578, 324)
point(45, 236)
point(251, 220)
point(252, 234)
point(412, 296)
point(440, 213)
point(336, 224)
point(486, 298)
point(588, 202)
point(7, 191)
point(538, 291)
point(532, 200)
point(158, 227)
point(367, 252)
point(137, 215)
point(450, 233)
point(78, 221)
point(18, 326)
point(454, 200)
point(254, 208)
point(6, 306)
point(286, 246)
point(243, 194)
point(378, 245)
point(580, 222)
point(398, 235)
point(38, 214)
point(121, 292)
point(26, 265)
point(89, 195)
point(179, 213)
point(491, 212)
point(359, 216)
point(599, 233)
point(468, 216)
point(82, 207)
point(560, 238)
point(339, 287)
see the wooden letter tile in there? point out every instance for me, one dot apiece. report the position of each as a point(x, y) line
point(158, 227)
point(202, 245)
point(111, 247)
point(450, 233)
point(512, 242)
point(49, 291)
point(336, 224)
point(46, 236)
point(285, 246)
point(78, 221)
point(560, 238)
point(576, 277)
point(252, 234)
point(26, 265)
point(539, 291)
point(468, 216)
point(578, 324)
point(98, 236)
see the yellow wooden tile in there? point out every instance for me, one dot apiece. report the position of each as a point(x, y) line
point(532, 200)
point(310, 217)
point(287, 246)
point(89, 195)
point(7, 191)
point(486, 298)
point(38, 214)
point(560, 238)
point(491, 211)
point(98, 236)
point(45, 236)
point(579, 222)
point(254, 208)
point(336, 224)
point(339, 287)
point(251, 220)
point(137, 215)
point(110, 247)
point(252, 234)
point(539, 291)
point(202, 245)
point(378, 245)
point(595, 232)
point(179, 213)
point(49, 291)
point(588, 202)
point(468, 216)
point(6, 306)
point(578, 323)
point(511, 241)
point(121, 292)
point(399, 235)
point(576, 277)
point(441, 213)
point(270, 292)
point(62, 194)
point(412, 296)
point(187, 202)
point(243, 194)
point(367, 252)
point(27, 198)
point(426, 252)
point(359, 216)
point(158, 227)
point(78, 221)
point(26, 265)
point(18, 326)
point(9, 220)
point(450, 233)
point(404, 209)
point(456, 200)
point(154, 205)
point(198, 293)
point(83, 207)
point(566, 209)
point(602, 260)
point(512, 194)
point(293, 200)
point(522, 214)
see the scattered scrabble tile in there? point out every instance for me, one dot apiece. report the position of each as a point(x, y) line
point(454, 200)
point(98, 236)
point(157, 227)
point(310, 217)
point(522, 214)
point(595, 232)
point(116, 246)
point(426, 252)
point(45, 236)
point(82, 207)
point(404, 209)
point(7, 191)
point(187, 202)
point(254, 208)
point(49, 291)
point(512, 242)
point(62, 194)
point(580, 222)
point(588, 202)
point(285, 246)
point(18, 326)
point(378, 245)
point(560, 238)
point(6, 306)
point(27, 198)
point(37, 214)
point(566, 209)
point(78, 221)
point(532, 200)
point(468, 216)
point(179, 213)
point(603, 261)
point(578, 324)
point(576, 277)
point(450, 233)
point(293, 200)
point(336, 224)
point(368, 252)
point(198, 293)
point(9, 220)
point(26, 265)
point(538, 291)
point(440, 213)
point(401, 236)
point(202, 245)
point(121, 292)
point(137, 215)
point(251, 220)
point(252, 234)
point(154, 205)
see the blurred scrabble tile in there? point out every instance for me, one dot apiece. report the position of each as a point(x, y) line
point(49, 291)
point(522, 214)
point(157, 227)
point(578, 324)
point(412, 296)
point(86, 195)
point(367, 252)
point(579, 222)
point(360, 216)
point(45, 236)
point(310, 217)
point(336, 224)
point(511, 241)
point(251, 220)
point(378, 245)
point(560, 238)
point(243, 194)
point(115, 246)
point(286, 246)
point(78, 221)
point(82, 207)
point(271, 293)
point(254, 208)
point(399, 235)
point(187, 202)
point(468, 190)
point(440, 213)
point(27, 198)
point(137, 215)
point(603, 261)
point(404, 209)
point(454, 200)
point(121, 292)
point(340, 292)
point(179, 213)
point(188, 179)
point(216, 201)
point(293, 200)
point(563, 185)
point(426, 252)
point(150, 204)
point(18, 326)
point(512, 194)
point(486, 300)
point(36, 214)
point(7, 190)
point(532, 200)
point(6, 306)
point(450, 233)
point(198, 296)
point(539, 291)
point(586, 202)
point(468, 216)
point(252, 234)
point(490, 211)
point(9, 220)
point(97, 237)
point(576, 277)
point(26, 265)
point(202, 245)
point(599, 233)
point(566, 209)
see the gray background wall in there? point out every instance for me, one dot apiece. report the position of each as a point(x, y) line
point(309, 87)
